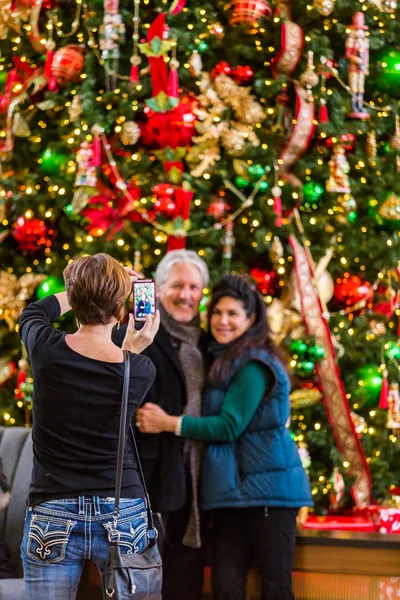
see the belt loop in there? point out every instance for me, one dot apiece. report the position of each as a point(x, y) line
point(81, 502)
point(96, 505)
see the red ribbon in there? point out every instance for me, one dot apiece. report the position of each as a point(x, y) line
point(335, 400)
point(284, 63)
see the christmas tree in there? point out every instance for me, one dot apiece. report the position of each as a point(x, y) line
point(262, 134)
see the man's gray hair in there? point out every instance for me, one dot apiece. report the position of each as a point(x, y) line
point(180, 256)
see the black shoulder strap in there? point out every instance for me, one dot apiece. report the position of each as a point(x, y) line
point(121, 447)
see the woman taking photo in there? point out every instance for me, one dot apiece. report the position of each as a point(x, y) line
point(252, 477)
point(76, 412)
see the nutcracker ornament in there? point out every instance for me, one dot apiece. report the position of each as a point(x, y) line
point(357, 54)
point(339, 168)
point(393, 415)
point(337, 488)
point(85, 169)
point(112, 35)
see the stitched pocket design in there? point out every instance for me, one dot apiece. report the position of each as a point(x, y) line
point(130, 533)
point(48, 538)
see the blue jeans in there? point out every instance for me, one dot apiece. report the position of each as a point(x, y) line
point(60, 534)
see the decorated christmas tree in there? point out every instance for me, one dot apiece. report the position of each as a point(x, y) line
point(262, 134)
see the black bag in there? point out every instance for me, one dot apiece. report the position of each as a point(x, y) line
point(131, 576)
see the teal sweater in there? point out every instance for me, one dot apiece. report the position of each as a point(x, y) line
point(241, 401)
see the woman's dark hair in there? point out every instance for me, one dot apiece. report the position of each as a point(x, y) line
point(258, 334)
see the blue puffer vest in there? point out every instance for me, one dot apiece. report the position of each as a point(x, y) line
point(262, 467)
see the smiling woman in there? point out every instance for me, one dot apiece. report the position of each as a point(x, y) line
point(252, 476)
point(229, 320)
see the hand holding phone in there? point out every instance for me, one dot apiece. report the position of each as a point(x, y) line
point(144, 299)
point(137, 341)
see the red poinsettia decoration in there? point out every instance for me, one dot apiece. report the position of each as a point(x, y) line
point(107, 213)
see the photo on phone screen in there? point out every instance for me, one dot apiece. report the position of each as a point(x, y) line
point(144, 299)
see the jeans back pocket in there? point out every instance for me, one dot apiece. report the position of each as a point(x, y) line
point(48, 538)
point(130, 533)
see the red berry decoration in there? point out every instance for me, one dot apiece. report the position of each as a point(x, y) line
point(217, 208)
point(67, 63)
point(173, 128)
point(222, 68)
point(351, 289)
point(243, 75)
point(32, 234)
point(347, 141)
point(266, 281)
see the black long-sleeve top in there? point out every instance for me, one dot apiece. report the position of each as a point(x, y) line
point(76, 412)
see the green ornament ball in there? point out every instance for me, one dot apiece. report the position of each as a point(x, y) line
point(312, 191)
point(388, 65)
point(393, 351)
point(370, 382)
point(241, 182)
point(203, 304)
point(352, 216)
point(263, 186)
point(3, 77)
point(51, 285)
point(316, 353)
point(256, 171)
point(305, 368)
point(298, 347)
point(53, 162)
point(202, 46)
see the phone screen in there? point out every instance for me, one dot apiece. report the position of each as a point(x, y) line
point(144, 299)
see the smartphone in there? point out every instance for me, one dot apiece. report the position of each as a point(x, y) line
point(144, 299)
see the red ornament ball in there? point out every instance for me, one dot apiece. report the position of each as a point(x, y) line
point(266, 281)
point(68, 63)
point(173, 128)
point(249, 11)
point(165, 204)
point(351, 289)
point(243, 74)
point(32, 234)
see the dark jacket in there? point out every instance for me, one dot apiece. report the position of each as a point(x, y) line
point(162, 454)
point(262, 467)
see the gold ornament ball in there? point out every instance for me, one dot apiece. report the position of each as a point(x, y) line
point(324, 7)
point(309, 78)
point(130, 133)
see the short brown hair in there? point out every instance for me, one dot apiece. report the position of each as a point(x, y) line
point(97, 287)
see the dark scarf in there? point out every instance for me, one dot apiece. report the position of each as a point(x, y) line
point(191, 360)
